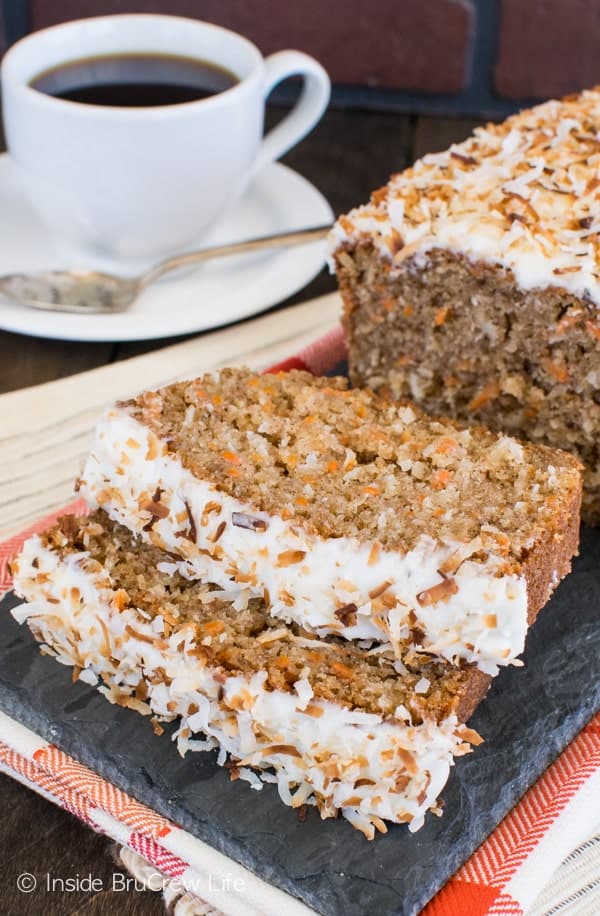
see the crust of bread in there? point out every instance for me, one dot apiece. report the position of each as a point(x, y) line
point(550, 559)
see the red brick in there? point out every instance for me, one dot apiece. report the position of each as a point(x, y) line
point(400, 44)
point(547, 48)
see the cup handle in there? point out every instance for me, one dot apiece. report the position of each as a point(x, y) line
point(306, 112)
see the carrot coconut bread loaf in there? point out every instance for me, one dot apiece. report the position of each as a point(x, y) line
point(347, 514)
point(334, 725)
point(471, 282)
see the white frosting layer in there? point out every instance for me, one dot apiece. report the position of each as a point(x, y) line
point(522, 194)
point(476, 613)
point(317, 749)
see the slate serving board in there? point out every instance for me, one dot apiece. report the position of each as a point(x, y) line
point(527, 719)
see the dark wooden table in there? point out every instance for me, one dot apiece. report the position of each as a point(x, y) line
point(347, 156)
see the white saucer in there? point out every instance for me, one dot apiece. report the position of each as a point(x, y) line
point(211, 295)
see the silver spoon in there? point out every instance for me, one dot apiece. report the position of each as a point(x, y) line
point(91, 292)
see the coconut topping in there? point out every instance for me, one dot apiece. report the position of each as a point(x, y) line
point(338, 586)
point(524, 193)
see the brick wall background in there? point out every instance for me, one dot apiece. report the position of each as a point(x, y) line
point(471, 57)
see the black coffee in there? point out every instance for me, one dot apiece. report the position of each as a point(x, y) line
point(135, 80)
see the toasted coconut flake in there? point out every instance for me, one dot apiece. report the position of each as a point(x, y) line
point(287, 749)
point(192, 534)
point(374, 554)
point(156, 726)
point(290, 557)
point(440, 592)
point(219, 531)
point(347, 614)
point(470, 735)
point(422, 685)
point(252, 522)
point(376, 592)
point(313, 710)
point(212, 506)
point(273, 635)
point(461, 157)
point(408, 760)
point(137, 635)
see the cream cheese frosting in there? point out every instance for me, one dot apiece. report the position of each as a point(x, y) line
point(434, 596)
point(316, 751)
point(524, 194)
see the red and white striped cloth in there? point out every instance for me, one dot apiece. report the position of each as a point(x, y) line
point(504, 876)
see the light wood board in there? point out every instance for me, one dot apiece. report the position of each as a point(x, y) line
point(46, 429)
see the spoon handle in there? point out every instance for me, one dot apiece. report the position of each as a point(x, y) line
point(281, 240)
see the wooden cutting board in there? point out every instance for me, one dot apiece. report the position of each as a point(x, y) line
point(46, 429)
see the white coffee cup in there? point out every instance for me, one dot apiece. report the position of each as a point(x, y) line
point(138, 182)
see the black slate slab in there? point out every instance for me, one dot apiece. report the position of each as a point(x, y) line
point(527, 719)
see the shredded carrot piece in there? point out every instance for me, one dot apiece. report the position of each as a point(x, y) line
point(213, 627)
point(446, 446)
point(408, 311)
point(440, 316)
point(301, 501)
point(377, 196)
point(310, 418)
point(332, 467)
point(484, 396)
point(502, 540)
point(232, 472)
point(558, 370)
point(231, 457)
point(370, 490)
point(282, 662)
point(568, 320)
point(593, 329)
point(440, 479)
point(342, 670)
